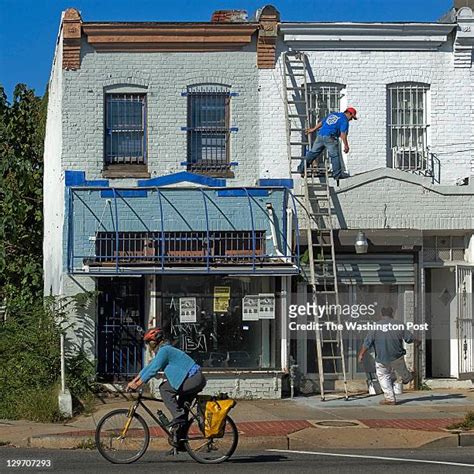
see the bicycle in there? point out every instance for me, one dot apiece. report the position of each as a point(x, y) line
point(122, 436)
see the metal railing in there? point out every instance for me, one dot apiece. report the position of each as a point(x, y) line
point(150, 248)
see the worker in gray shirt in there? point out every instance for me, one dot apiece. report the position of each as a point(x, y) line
point(387, 342)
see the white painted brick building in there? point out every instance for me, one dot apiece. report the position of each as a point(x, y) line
point(419, 224)
point(420, 215)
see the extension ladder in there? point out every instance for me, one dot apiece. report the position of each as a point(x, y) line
point(317, 205)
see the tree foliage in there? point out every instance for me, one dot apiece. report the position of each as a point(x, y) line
point(30, 336)
point(22, 130)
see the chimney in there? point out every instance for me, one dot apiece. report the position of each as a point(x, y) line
point(72, 32)
point(464, 3)
point(268, 18)
point(229, 16)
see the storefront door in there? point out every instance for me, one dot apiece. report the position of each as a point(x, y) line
point(119, 329)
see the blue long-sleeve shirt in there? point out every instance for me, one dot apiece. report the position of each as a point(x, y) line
point(175, 363)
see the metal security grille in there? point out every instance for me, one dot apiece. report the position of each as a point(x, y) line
point(323, 99)
point(408, 124)
point(208, 128)
point(119, 327)
point(125, 137)
point(465, 321)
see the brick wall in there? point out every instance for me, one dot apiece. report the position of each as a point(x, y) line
point(259, 146)
point(240, 386)
point(366, 75)
point(81, 322)
point(53, 184)
point(165, 76)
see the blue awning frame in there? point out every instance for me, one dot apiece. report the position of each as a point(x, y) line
point(291, 266)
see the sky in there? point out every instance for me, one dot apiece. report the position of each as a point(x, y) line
point(28, 28)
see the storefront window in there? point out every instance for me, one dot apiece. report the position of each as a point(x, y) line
point(207, 317)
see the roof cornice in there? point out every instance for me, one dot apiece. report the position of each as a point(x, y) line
point(168, 36)
point(366, 36)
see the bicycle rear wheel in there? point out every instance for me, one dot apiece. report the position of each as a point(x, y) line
point(121, 439)
point(211, 450)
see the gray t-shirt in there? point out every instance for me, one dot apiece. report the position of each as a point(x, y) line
point(388, 344)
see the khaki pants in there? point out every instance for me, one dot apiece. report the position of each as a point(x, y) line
point(387, 374)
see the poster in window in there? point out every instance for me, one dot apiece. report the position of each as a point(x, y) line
point(266, 306)
point(221, 299)
point(187, 310)
point(250, 308)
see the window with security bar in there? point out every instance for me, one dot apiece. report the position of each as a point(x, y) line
point(408, 126)
point(208, 129)
point(323, 98)
point(125, 129)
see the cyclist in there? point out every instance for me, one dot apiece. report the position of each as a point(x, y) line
point(184, 378)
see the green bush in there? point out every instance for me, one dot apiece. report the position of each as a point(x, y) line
point(31, 365)
point(30, 355)
point(466, 425)
point(39, 405)
point(80, 380)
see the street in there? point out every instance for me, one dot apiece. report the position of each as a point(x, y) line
point(451, 460)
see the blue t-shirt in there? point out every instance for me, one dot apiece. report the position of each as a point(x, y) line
point(334, 124)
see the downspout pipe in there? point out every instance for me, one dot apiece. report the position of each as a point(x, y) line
point(273, 230)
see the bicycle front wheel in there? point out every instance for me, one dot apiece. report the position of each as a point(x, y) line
point(211, 450)
point(121, 439)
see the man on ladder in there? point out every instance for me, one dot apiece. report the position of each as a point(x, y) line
point(335, 125)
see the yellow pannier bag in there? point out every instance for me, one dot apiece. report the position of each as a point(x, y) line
point(215, 412)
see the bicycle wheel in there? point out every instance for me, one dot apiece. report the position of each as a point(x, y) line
point(211, 450)
point(119, 447)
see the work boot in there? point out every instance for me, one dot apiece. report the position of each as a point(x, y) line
point(387, 402)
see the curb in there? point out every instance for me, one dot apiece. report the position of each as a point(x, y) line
point(248, 443)
point(253, 443)
point(447, 441)
point(466, 439)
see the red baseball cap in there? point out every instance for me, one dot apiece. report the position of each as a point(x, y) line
point(352, 111)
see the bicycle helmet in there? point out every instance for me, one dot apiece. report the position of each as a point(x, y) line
point(154, 334)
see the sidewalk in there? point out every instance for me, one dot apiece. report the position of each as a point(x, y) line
point(419, 420)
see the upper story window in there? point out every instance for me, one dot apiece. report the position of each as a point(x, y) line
point(324, 98)
point(125, 131)
point(408, 126)
point(208, 129)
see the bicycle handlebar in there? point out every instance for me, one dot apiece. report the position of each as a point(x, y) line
point(140, 394)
